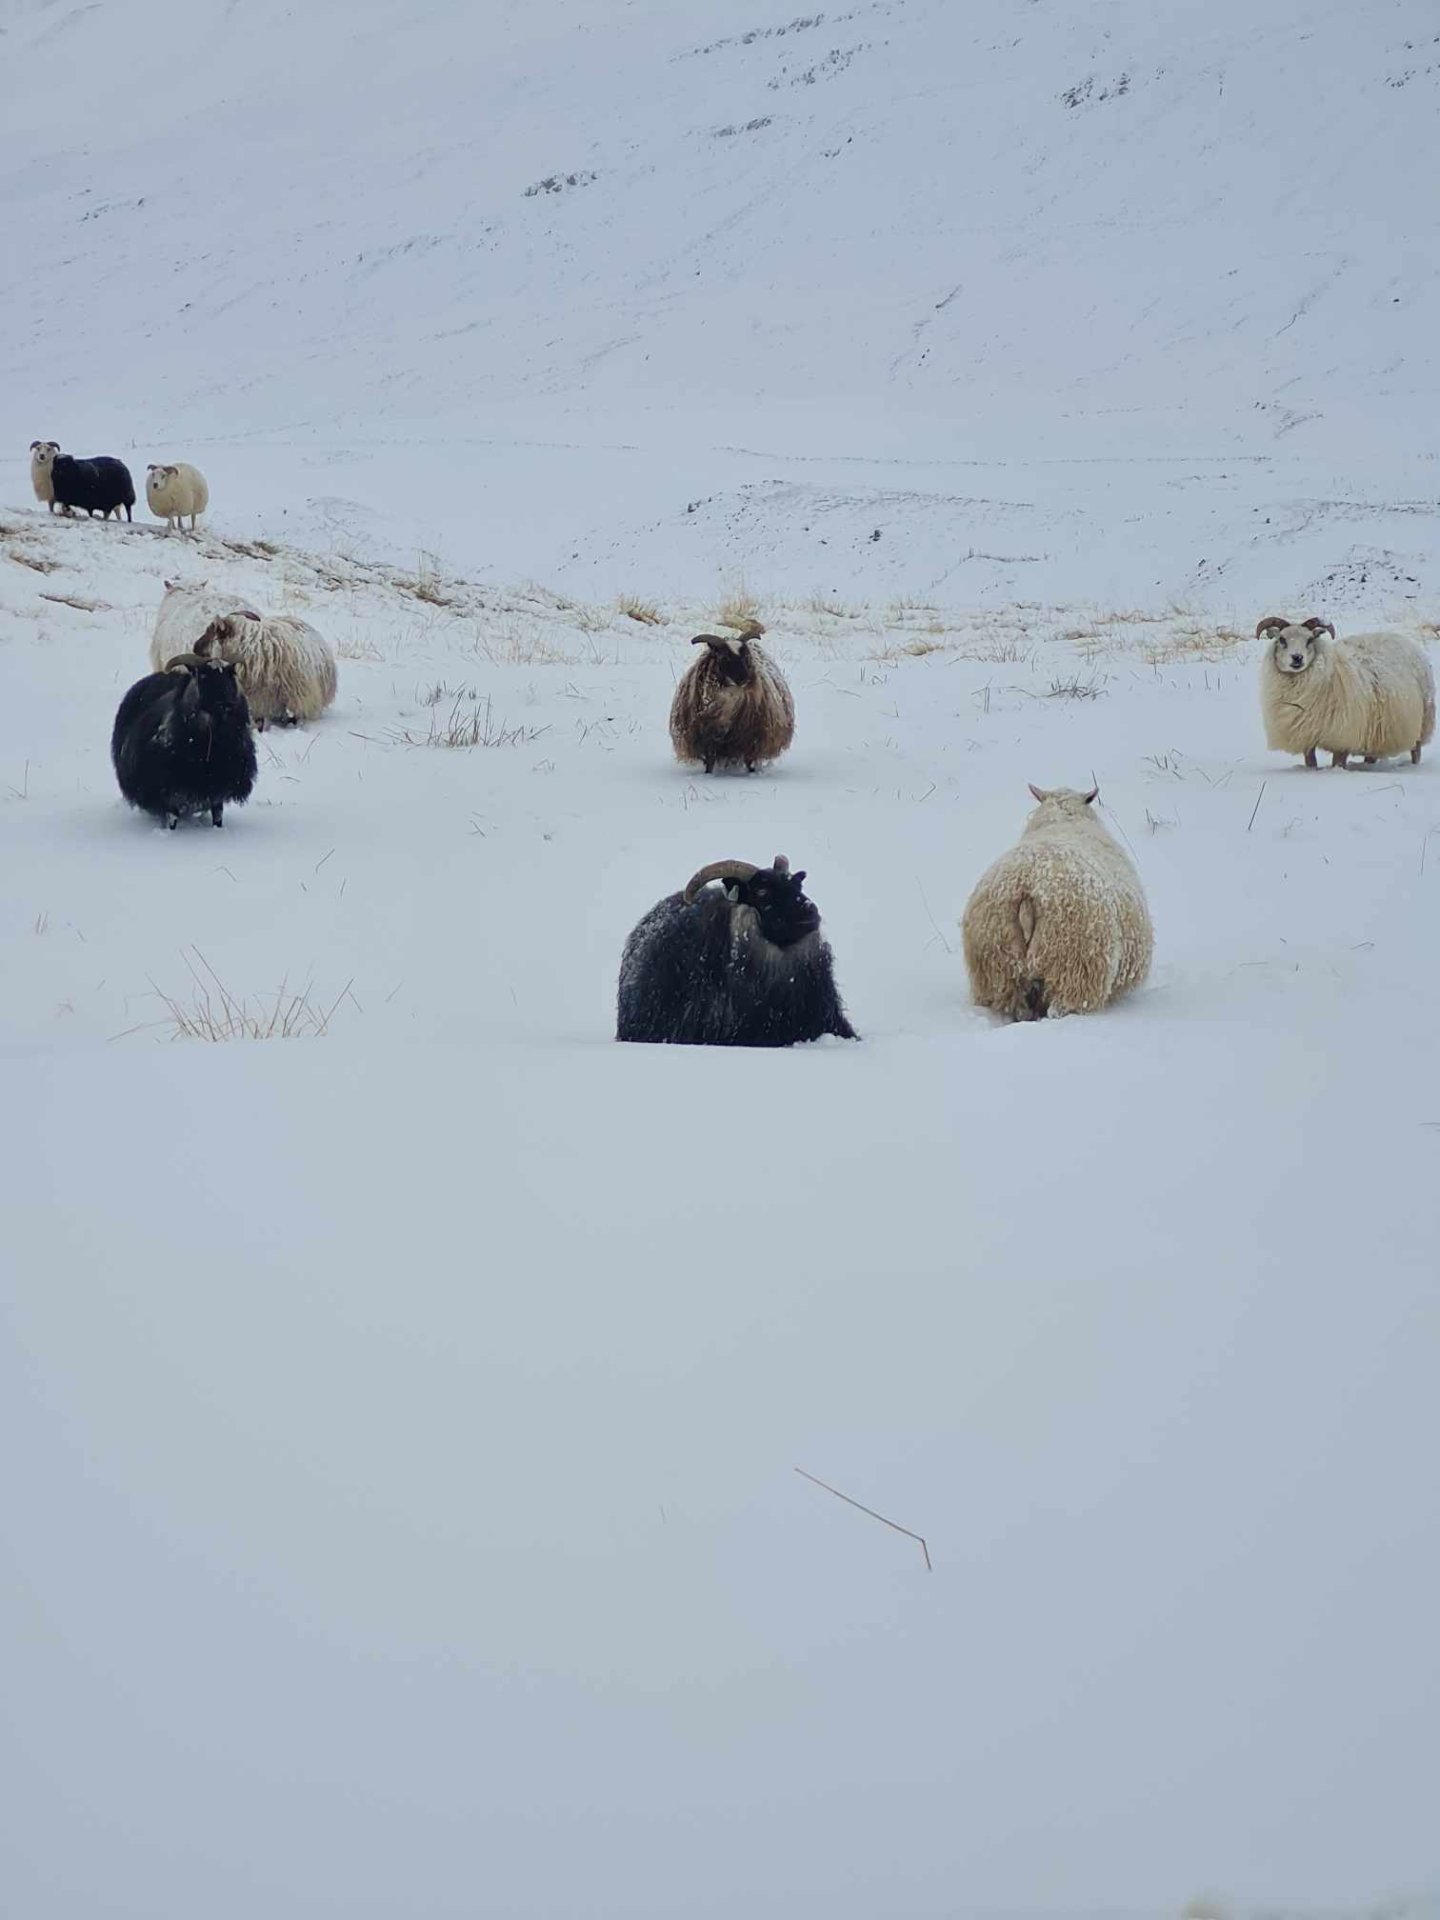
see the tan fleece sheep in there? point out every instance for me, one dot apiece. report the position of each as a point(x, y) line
point(1370, 693)
point(173, 491)
point(42, 459)
point(285, 668)
point(1059, 923)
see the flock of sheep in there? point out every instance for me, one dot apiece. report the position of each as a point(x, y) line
point(1057, 925)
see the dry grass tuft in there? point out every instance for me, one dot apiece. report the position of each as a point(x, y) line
point(476, 728)
point(645, 611)
point(35, 562)
point(915, 649)
point(359, 649)
point(737, 608)
point(1074, 688)
point(213, 1012)
point(1194, 643)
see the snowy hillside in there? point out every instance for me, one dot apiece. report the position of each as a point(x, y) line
point(403, 1414)
point(1064, 300)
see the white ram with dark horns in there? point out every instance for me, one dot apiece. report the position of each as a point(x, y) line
point(741, 964)
point(1371, 694)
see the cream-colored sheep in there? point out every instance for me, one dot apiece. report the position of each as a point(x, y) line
point(1059, 923)
point(174, 491)
point(285, 668)
point(42, 459)
point(185, 613)
point(1370, 693)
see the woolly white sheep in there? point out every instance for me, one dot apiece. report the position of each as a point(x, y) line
point(42, 459)
point(285, 668)
point(173, 491)
point(185, 613)
point(1059, 923)
point(1370, 693)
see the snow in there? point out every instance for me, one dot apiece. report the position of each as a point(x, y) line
point(403, 1516)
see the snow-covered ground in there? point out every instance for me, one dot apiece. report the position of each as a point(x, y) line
point(403, 1423)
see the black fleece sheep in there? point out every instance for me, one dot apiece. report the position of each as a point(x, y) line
point(101, 485)
point(742, 966)
point(182, 741)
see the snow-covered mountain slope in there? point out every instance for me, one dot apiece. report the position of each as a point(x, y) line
point(402, 1517)
point(1096, 299)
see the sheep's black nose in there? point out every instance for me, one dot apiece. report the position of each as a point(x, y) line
point(1297, 660)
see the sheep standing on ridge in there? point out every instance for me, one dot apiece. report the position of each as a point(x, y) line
point(182, 742)
point(739, 966)
point(102, 485)
point(172, 492)
point(732, 707)
point(286, 669)
point(42, 458)
point(1059, 923)
point(1370, 693)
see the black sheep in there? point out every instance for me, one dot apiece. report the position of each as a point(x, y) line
point(742, 966)
point(182, 741)
point(101, 485)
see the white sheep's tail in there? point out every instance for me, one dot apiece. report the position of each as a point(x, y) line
point(1032, 996)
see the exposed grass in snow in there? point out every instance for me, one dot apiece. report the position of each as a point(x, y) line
point(210, 1011)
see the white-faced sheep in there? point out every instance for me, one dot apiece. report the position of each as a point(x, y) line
point(1371, 694)
point(286, 669)
point(742, 965)
point(732, 707)
point(1059, 923)
point(175, 490)
point(42, 459)
point(185, 613)
point(182, 742)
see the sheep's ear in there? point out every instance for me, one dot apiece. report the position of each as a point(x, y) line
point(1040, 793)
point(1091, 795)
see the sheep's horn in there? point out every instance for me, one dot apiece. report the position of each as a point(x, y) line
point(719, 870)
point(1320, 626)
point(709, 640)
point(782, 865)
point(185, 660)
point(1272, 623)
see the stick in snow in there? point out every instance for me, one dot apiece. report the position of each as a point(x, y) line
point(872, 1513)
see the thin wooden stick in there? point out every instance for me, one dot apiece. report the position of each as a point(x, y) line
point(1256, 808)
point(872, 1513)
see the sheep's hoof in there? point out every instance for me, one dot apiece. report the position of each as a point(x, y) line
point(215, 816)
point(1414, 756)
point(1340, 760)
point(1370, 759)
point(750, 766)
point(172, 821)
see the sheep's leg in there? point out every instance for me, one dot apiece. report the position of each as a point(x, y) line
point(216, 812)
point(1369, 759)
point(750, 766)
point(259, 723)
point(710, 763)
point(1340, 759)
point(1310, 759)
point(1415, 754)
point(172, 820)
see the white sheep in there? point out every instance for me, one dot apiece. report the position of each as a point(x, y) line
point(42, 459)
point(1370, 693)
point(175, 490)
point(1059, 923)
point(185, 613)
point(285, 668)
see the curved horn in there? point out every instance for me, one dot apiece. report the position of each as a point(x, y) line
point(782, 865)
point(709, 640)
point(1320, 626)
point(719, 870)
point(186, 660)
point(1272, 623)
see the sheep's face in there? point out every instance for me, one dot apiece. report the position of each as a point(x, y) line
point(42, 454)
point(730, 661)
point(779, 903)
point(158, 477)
point(1294, 649)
